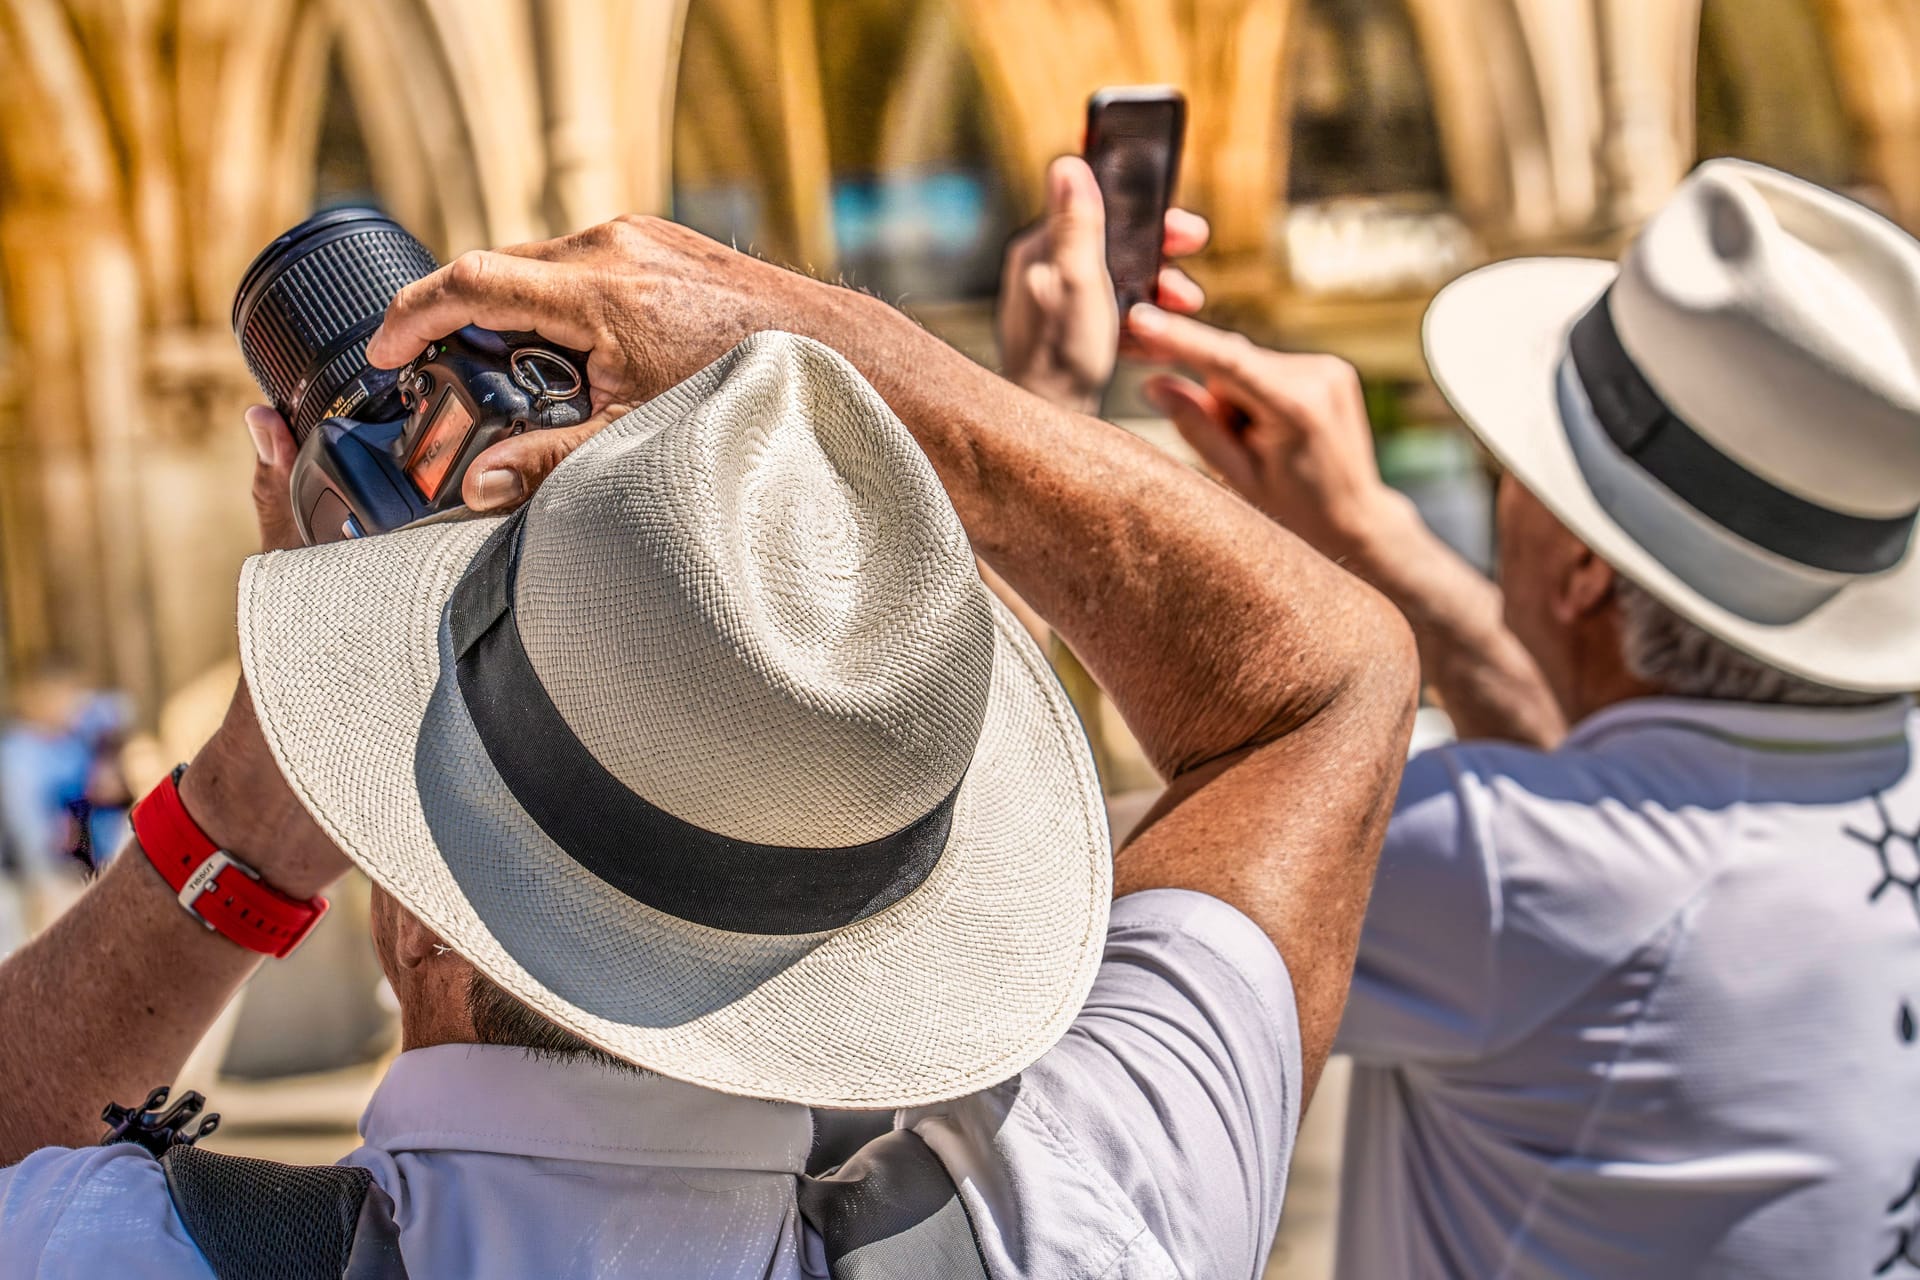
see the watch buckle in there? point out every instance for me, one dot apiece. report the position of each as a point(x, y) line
point(202, 880)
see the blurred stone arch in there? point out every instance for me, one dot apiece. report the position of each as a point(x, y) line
point(847, 137)
point(1875, 48)
point(1825, 89)
point(769, 104)
point(146, 152)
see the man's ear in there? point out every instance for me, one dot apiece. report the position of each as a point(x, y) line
point(1586, 587)
point(413, 943)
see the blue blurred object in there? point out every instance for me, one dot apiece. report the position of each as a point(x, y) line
point(59, 812)
point(928, 233)
point(931, 233)
point(934, 213)
point(40, 775)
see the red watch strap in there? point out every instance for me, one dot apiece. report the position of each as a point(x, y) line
point(216, 888)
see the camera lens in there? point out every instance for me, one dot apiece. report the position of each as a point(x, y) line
point(307, 306)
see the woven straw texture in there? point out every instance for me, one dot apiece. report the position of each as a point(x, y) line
point(752, 601)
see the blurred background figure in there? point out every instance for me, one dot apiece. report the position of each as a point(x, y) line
point(63, 794)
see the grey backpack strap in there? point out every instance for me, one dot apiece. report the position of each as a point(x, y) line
point(839, 1135)
point(892, 1213)
point(259, 1220)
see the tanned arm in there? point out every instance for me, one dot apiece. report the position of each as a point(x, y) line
point(1275, 689)
point(110, 1000)
point(1290, 432)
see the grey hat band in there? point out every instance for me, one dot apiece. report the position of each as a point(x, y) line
point(638, 848)
point(1662, 444)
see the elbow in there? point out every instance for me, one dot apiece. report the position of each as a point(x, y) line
point(1382, 683)
point(1365, 688)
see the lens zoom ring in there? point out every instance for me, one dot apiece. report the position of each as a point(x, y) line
point(319, 298)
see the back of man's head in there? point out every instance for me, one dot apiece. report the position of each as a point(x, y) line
point(1681, 659)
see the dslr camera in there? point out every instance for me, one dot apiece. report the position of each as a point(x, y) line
point(378, 448)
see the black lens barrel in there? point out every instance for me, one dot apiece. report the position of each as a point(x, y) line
point(310, 301)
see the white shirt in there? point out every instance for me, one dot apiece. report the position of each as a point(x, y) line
point(1644, 1006)
point(1151, 1142)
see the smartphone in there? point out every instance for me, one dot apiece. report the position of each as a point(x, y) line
point(1134, 136)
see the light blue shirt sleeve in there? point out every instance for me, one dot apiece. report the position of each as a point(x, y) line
point(1154, 1139)
point(92, 1211)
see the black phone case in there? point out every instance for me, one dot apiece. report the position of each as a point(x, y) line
point(1134, 141)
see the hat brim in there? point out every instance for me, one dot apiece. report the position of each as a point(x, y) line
point(1495, 340)
point(956, 987)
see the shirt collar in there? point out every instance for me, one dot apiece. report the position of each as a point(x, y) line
point(507, 1101)
point(1760, 726)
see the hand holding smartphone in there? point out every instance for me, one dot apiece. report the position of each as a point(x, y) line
point(1134, 137)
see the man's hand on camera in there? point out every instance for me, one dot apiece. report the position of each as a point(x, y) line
point(1288, 432)
point(233, 788)
point(1057, 323)
point(272, 479)
point(651, 302)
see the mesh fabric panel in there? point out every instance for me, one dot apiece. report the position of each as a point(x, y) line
point(259, 1220)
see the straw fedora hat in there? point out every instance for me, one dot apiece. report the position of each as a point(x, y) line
point(1731, 418)
point(718, 753)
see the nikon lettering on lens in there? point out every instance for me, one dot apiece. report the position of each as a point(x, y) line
point(307, 306)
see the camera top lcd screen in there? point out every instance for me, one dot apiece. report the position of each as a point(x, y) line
point(440, 443)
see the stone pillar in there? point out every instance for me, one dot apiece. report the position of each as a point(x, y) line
point(1876, 54)
point(1648, 51)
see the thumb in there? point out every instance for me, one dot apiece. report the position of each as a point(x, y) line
point(506, 475)
point(272, 477)
point(1205, 423)
point(1076, 221)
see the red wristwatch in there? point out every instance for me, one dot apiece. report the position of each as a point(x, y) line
point(216, 888)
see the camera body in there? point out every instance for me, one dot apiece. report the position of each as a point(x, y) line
point(380, 449)
point(365, 472)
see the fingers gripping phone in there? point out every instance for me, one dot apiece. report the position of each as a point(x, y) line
point(1134, 136)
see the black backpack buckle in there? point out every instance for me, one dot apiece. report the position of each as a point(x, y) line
point(155, 1129)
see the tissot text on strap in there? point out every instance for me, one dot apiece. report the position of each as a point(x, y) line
point(216, 888)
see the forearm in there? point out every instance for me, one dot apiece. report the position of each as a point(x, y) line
point(1059, 391)
point(110, 1000)
point(1209, 626)
point(104, 1005)
point(1306, 877)
point(1482, 674)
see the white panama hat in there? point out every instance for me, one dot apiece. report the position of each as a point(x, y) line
point(718, 754)
point(1731, 418)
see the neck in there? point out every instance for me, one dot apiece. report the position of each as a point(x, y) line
point(1595, 675)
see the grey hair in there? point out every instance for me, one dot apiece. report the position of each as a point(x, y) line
point(1683, 660)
